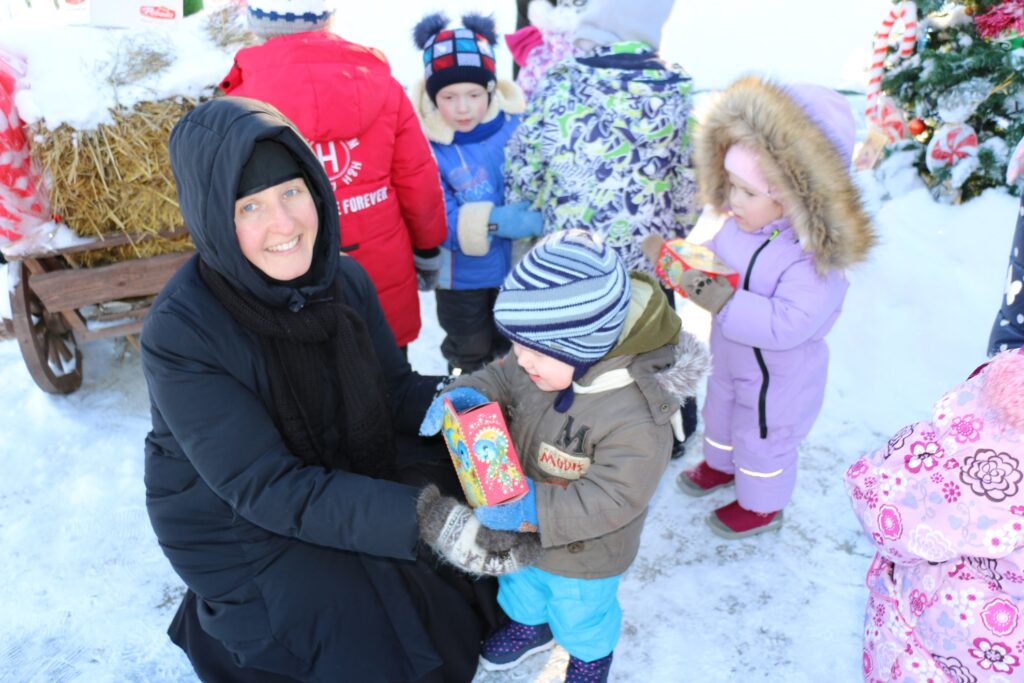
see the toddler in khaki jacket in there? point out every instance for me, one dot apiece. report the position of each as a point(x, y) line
point(591, 389)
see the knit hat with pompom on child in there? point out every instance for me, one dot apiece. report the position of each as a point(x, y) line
point(459, 55)
point(566, 298)
point(269, 18)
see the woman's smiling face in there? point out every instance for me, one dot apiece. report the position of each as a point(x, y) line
point(276, 229)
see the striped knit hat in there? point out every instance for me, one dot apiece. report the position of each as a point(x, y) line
point(567, 298)
point(271, 18)
point(458, 55)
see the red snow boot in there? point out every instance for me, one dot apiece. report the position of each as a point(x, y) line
point(732, 521)
point(702, 480)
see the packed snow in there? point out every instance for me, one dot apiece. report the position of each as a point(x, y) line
point(87, 594)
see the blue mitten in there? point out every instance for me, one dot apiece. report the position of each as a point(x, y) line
point(462, 398)
point(516, 221)
point(519, 515)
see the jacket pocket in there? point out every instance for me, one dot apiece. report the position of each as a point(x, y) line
point(243, 627)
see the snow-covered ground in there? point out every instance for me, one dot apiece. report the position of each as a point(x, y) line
point(86, 594)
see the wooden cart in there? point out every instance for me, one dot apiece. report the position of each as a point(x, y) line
point(56, 306)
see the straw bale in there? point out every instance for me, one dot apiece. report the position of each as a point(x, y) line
point(115, 179)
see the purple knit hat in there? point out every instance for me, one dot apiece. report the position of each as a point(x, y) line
point(830, 112)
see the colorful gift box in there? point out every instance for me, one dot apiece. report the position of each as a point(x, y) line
point(483, 454)
point(678, 255)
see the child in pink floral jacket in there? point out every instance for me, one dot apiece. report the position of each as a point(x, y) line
point(545, 42)
point(943, 502)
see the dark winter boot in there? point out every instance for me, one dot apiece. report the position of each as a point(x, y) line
point(702, 480)
point(733, 521)
point(689, 411)
point(513, 643)
point(689, 416)
point(596, 671)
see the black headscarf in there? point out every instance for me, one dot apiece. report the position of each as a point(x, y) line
point(326, 383)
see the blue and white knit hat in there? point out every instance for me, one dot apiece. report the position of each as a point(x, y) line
point(567, 298)
point(271, 18)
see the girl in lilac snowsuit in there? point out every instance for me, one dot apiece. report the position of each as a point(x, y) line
point(796, 224)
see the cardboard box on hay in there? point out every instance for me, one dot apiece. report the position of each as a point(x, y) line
point(483, 454)
point(677, 255)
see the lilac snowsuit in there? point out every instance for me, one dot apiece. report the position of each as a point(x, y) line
point(769, 360)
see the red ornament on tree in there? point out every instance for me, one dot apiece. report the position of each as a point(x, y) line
point(916, 127)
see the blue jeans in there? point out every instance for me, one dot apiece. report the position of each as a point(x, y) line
point(584, 614)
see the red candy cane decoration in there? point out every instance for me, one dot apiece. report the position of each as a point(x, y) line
point(907, 12)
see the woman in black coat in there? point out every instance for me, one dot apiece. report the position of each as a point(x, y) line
point(275, 464)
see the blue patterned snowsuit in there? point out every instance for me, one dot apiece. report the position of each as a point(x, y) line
point(604, 145)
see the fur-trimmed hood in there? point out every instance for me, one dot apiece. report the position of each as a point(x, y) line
point(507, 97)
point(808, 164)
point(691, 367)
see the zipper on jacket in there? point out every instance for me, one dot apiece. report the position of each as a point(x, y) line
point(762, 410)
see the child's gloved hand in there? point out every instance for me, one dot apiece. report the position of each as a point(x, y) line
point(428, 268)
point(651, 246)
point(519, 515)
point(516, 221)
point(462, 398)
point(707, 291)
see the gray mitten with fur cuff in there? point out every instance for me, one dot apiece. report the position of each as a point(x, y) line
point(455, 534)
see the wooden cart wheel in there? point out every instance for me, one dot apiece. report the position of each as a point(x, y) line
point(47, 343)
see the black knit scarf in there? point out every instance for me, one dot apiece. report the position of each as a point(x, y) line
point(325, 380)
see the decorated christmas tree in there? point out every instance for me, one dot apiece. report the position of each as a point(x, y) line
point(947, 82)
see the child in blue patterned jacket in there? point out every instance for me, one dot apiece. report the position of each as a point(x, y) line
point(468, 115)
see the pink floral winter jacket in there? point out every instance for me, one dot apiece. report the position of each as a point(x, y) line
point(943, 502)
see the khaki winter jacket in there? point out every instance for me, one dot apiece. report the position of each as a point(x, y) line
point(598, 464)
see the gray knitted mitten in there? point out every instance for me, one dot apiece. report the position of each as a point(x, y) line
point(455, 534)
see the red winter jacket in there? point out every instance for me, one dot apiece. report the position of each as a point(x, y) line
point(361, 124)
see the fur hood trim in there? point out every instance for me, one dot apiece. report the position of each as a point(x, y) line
point(814, 184)
point(692, 364)
point(507, 98)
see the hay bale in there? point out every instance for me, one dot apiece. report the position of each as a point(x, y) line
point(115, 179)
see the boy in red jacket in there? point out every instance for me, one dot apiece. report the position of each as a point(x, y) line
point(361, 124)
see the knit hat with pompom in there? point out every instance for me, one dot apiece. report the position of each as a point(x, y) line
point(459, 55)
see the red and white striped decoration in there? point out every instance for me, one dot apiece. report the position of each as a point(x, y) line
point(950, 145)
point(907, 13)
point(23, 202)
point(889, 119)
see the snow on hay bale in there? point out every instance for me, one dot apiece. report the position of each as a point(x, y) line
point(114, 177)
